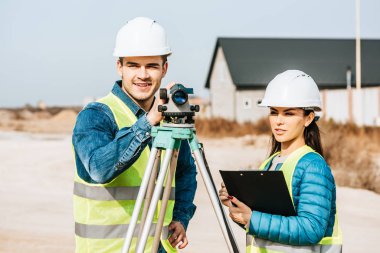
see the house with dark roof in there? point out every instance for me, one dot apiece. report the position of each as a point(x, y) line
point(242, 67)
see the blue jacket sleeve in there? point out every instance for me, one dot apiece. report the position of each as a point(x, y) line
point(103, 151)
point(313, 209)
point(186, 186)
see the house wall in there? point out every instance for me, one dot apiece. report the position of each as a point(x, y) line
point(335, 105)
point(365, 106)
point(241, 105)
point(222, 89)
point(246, 105)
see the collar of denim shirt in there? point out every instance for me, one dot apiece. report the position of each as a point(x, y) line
point(135, 108)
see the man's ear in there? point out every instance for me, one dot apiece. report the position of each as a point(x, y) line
point(119, 67)
point(165, 69)
point(309, 119)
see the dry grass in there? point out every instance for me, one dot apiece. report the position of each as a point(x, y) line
point(35, 120)
point(41, 113)
point(351, 151)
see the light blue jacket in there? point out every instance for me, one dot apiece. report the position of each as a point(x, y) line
point(314, 196)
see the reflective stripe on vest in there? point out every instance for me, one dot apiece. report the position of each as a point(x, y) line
point(111, 193)
point(331, 244)
point(109, 231)
point(272, 247)
point(115, 245)
point(102, 212)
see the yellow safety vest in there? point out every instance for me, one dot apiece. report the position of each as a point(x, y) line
point(102, 212)
point(332, 244)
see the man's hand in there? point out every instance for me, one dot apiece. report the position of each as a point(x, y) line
point(154, 116)
point(240, 213)
point(223, 196)
point(178, 235)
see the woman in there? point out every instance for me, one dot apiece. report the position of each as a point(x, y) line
point(292, 98)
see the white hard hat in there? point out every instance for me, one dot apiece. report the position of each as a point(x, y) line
point(141, 37)
point(292, 88)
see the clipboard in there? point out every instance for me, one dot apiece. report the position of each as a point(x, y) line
point(263, 191)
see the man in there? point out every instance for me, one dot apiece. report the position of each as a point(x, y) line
point(112, 140)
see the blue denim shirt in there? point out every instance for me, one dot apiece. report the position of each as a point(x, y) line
point(103, 152)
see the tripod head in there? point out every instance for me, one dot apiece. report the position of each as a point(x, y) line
point(177, 109)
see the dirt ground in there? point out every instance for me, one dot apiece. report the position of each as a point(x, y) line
point(36, 196)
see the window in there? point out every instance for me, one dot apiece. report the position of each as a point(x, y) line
point(247, 103)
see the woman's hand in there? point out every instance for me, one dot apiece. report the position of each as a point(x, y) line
point(224, 197)
point(240, 213)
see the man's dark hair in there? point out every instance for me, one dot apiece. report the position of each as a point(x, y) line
point(164, 58)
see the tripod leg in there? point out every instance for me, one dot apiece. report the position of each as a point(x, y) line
point(139, 200)
point(153, 204)
point(149, 192)
point(165, 198)
point(218, 209)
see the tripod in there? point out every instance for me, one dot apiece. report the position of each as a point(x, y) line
point(168, 138)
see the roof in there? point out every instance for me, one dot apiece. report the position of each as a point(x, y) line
point(253, 62)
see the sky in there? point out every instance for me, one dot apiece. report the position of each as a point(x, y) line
point(60, 52)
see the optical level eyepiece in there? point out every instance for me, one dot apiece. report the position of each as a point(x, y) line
point(179, 97)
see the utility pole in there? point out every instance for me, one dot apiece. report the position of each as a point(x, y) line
point(349, 94)
point(358, 48)
point(359, 119)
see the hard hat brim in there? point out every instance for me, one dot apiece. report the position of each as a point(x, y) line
point(314, 106)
